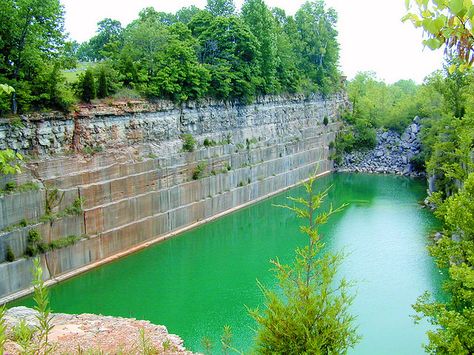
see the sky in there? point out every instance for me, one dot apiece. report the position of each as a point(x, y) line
point(371, 34)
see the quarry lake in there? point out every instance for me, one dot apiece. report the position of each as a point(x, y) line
point(205, 278)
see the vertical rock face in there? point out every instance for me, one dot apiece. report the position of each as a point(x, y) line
point(393, 153)
point(125, 125)
point(136, 184)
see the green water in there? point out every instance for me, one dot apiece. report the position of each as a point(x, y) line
point(204, 279)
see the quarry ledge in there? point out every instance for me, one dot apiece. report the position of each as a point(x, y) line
point(55, 280)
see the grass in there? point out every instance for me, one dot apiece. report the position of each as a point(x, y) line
point(199, 170)
point(126, 94)
point(71, 75)
point(12, 187)
point(74, 209)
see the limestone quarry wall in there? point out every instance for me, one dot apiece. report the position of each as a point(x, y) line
point(126, 165)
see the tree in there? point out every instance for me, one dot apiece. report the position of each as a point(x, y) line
point(8, 158)
point(229, 50)
point(144, 39)
point(186, 14)
point(161, 60)
point(221, 7)
point(260, 20)
point(102, 85)
point(87, 86)
point(150, 14)
point(446, 23)
point(179, 75)
point(107, 42)
point(31, 33)
point(453, 85)
point(317, 45)
point(453, 319)
point(309, 312)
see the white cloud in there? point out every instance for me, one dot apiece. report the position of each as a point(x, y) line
point(371, 35)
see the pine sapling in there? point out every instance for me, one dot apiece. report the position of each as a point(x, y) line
point(44, 317)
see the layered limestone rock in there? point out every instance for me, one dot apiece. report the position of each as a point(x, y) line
point(126, 166)
point(392, 155)
point(90, 333)
point(161, 124)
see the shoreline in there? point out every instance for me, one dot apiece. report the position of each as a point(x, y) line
point(53, 281)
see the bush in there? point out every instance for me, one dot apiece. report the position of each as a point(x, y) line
point(87, 86)
point(209, 143)
point(365, 137)
point(189, 143)
point(9, 256)
point(35, 244)
point(199, 171)
point(308, 310)
point(63, 242)
point(93, 150)
point(397, 124)
point(102, 86)
point(10, 186)
point(75, 209)
point(326, 120)
point(345, 142)
point(418, 163)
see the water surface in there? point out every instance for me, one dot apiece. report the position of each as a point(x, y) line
point(204, 279)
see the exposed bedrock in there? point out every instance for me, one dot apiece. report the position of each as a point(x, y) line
point(126, 165)
point(392, 154)
point(94, 334)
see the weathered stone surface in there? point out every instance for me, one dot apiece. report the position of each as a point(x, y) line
point(140, 187)
point(164, 122)
point(391, 155)
point(90, 333)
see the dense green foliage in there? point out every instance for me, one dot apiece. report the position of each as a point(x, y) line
point(454, 319)
point(9, 162)
point(448, 139)
point(376, 104)
point(448, 132)
point(32, 52)
point(87, 86)
point(309, 311)
point(108, 39)
point(446, 22)
point(448, 146)
point(190, 55)
point(382, 105)
point(445, 101)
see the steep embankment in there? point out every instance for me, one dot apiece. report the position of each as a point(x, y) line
point(114, 178)
point(392, 154)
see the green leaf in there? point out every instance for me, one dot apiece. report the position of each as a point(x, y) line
point(6, 88)
point(456, 6)
point(470, 14)
point(433, 43)
point(439, 23)
point(412, 17)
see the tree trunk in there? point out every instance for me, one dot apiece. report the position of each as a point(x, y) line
point(14, 104)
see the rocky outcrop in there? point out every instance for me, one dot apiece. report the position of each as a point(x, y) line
point(160, 125)
point(392, 154)
point(137, 184)
point(89, 333)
